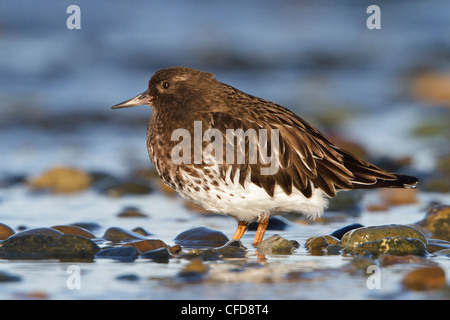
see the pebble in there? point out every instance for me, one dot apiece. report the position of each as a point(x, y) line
point(74, 230)
point(275, 245)
point(437, 221)
point(5, 231)
point(340, 232)
point(358, 236)
point(121, 188)
point(131, 212)
point(201, 237)
point(146, 245)
point(46, 243)
point(61, 180)
point(395, 197)
point(7, 277)
point(316, 245)
point(116, 234)
point(422, 279)
point(392, 245)
point(161, 255)
point(123, 254)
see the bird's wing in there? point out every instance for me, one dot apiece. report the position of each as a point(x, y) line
point(305, 158)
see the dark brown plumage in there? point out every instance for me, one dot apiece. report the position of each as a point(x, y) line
point(309, 164)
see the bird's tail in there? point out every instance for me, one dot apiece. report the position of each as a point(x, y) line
point(402, 181)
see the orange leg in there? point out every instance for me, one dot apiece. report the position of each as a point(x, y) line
point(262, 226)
point(242, 227)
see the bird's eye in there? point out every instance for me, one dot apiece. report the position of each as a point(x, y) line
point(166, 84)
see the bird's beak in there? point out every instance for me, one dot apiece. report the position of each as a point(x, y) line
point(143, 98)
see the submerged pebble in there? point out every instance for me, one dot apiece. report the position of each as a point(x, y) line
point(194, 271)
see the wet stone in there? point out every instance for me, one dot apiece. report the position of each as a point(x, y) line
point(367, 234)
point(437, 221)
point(161, 255)
point(89, 226)
point(74, 230)
point(275, 245)
point(128, 277)
point(147, 245)
point(62, 180)
point(141, 231)
point(201, 237)
point(123, 254)
point(5, 231)
point(387, 260)
point(209, 254)
point(340, 232)
point(393, 245)
point(116, 234)
point(275, 223)
point(316, 245)
point(29, 245)
point(437, 245)
point(422, 279)
point(131, 212)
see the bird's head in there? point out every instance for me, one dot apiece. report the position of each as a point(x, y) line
point(171, 86)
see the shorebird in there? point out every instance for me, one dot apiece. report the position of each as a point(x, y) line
point(238, 179)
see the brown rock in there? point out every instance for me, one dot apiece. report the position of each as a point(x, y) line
point(432, 87)
point(147, 245)
point(5, 231)
point(422, 279)
point(62, 180)
point(394, 197)
point(74, 230)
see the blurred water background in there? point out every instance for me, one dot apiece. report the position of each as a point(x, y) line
point(386, 90)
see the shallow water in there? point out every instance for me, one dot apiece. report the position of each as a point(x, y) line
point(315, 58)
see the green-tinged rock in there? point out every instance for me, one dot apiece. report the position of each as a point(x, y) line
point(275, 245)
point(367, 234)
point(5, 231)
point(232, 249)
point(25, 245)
point(116, 234)
point(201, 237)
point(124, 254)
point(437, 221)
point(398, 246)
